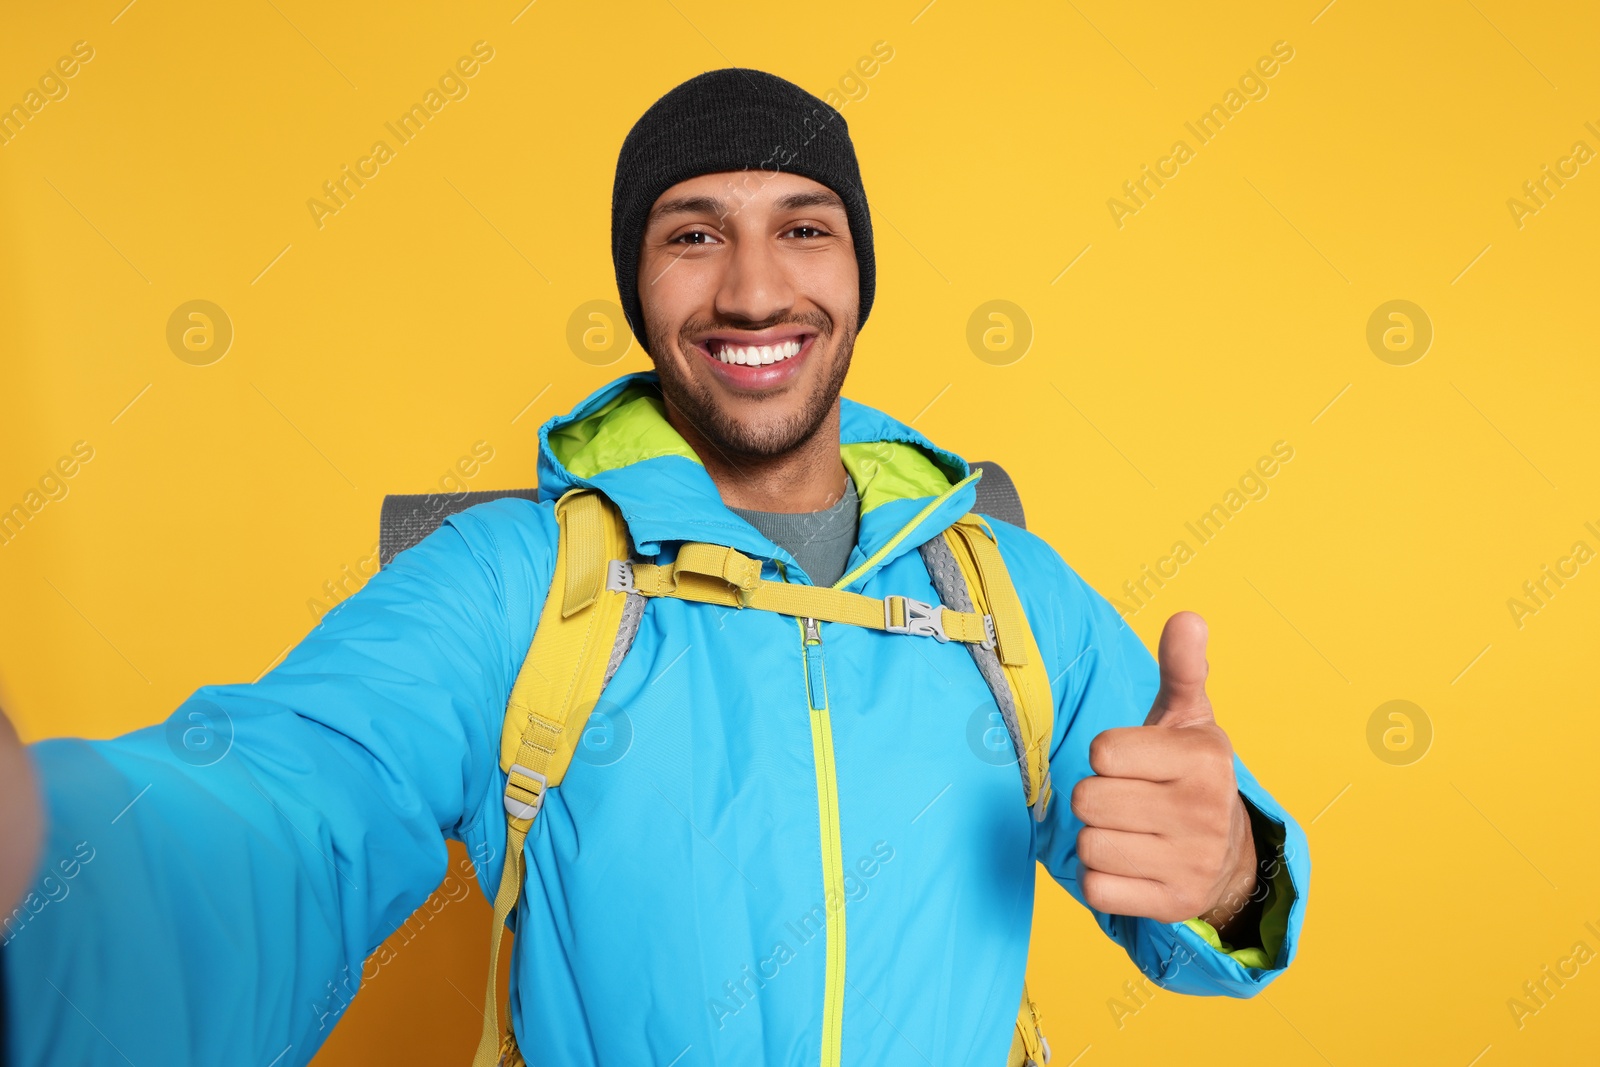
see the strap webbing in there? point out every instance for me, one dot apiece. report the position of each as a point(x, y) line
point(584, 541)
point(715, 574)
point(1028, 1046)
point(488, 1052)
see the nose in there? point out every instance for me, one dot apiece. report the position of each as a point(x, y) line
point(756, 287)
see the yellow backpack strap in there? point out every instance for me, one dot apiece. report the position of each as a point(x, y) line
point(558, 686)
point(715, 574)
point(967, 569)
point(1028, 1046)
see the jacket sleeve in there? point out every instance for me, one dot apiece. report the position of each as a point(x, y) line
point(210, 887)
point(1102, 677)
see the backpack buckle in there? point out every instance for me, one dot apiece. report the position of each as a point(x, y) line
point(619, 575)
point(921, 619)
point(518, 808)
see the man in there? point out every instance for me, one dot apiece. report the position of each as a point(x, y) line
point(759, 873)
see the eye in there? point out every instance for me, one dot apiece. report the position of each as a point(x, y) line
point(693, 237)
point(807, 231)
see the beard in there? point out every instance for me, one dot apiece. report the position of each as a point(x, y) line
point(762, 437)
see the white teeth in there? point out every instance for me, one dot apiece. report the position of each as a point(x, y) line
point(757, 355)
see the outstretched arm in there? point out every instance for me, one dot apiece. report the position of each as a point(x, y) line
point(210, 887)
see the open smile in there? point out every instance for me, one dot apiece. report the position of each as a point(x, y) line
point(753, 361)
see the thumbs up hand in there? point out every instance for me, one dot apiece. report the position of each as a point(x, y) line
point(1166, 835)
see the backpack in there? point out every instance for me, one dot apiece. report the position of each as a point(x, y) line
point(592, 613)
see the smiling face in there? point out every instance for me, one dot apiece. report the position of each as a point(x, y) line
point(750, 291)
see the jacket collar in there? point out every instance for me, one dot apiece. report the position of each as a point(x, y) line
point(619, 441)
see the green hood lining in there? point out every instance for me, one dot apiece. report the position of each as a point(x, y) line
point(632, 427)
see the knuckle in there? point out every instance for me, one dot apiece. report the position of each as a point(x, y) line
point(1094, 892)
point(1088, 846)
point(1081, 799)
point(1101, 749)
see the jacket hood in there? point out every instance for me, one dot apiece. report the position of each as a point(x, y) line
point(618, 440)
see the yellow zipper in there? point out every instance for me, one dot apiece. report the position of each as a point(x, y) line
point(832, 847)
point(828, 792)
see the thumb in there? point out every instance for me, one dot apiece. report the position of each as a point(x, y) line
point(1182, 699)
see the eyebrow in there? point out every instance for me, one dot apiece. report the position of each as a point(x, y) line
point(710, 205)
point(814, 198)
point(687, 205)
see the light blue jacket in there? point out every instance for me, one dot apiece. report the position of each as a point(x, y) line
point(212, 886)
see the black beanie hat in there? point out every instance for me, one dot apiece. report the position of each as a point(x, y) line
point(732, 119)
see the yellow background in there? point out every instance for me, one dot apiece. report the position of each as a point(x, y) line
point(1227, 314)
